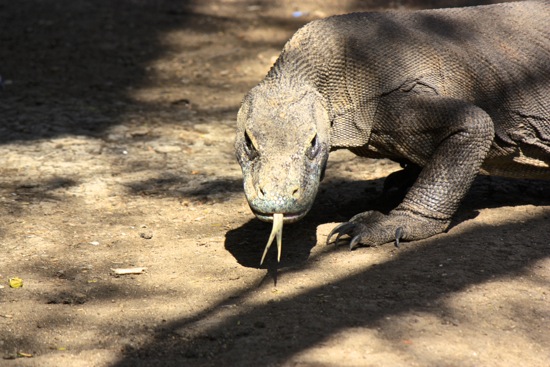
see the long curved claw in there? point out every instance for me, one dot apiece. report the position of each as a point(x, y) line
point(276, 231)
point(341, 229)
point(354, 242)
point(399, 233)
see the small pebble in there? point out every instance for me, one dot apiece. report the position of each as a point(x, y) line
point(146, 235)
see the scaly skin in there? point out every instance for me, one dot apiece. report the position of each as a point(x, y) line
point(451, 92)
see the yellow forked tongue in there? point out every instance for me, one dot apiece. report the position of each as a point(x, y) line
point(277, 230)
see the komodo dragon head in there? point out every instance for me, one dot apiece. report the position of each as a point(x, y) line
point(282, 146)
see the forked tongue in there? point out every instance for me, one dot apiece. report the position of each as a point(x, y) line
point(277, 230)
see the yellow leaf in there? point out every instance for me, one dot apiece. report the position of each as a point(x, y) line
point(15, 282)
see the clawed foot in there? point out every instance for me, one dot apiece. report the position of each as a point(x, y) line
point(374, 228)
point(348, 229)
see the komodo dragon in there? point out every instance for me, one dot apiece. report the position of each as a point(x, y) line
point(449, 93)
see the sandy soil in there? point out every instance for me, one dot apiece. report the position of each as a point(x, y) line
point(116, 136)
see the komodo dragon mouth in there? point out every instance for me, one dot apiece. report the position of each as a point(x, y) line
point(287, 217)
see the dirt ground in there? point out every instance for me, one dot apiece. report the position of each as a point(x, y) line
point(116, 136)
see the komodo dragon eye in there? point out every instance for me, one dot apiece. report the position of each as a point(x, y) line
point(314, 148)
point(249, 147)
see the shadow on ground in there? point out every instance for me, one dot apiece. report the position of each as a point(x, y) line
point(413, 281)
point(71, 68)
